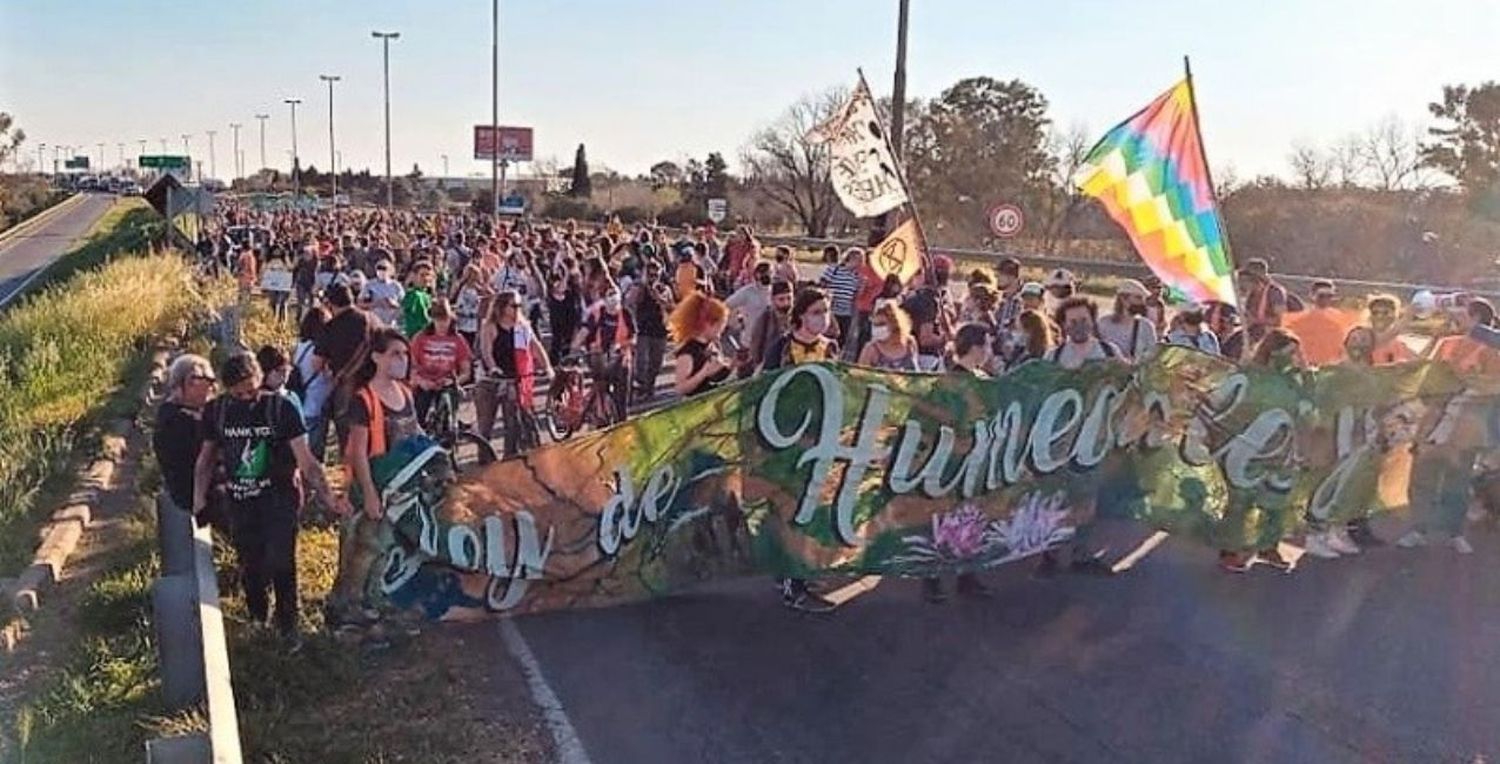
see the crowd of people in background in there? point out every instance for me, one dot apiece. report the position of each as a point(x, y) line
point(391, 308)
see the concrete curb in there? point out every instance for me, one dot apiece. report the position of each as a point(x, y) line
point(65, 530)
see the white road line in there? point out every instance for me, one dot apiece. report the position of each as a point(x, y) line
point(569, 747)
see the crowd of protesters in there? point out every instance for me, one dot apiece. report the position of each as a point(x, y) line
point(392, 307)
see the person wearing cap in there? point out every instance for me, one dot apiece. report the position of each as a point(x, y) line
point(1060, 286)
point(1265, 300)
point(1126, 327)
point(1189, 331)
point(1323, 327)
point(255, 438)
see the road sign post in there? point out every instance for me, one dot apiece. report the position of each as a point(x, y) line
point(718, 210)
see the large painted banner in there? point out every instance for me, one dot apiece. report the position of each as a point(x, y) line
point(823, 469)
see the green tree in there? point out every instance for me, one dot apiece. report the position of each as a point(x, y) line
point(665, 174)
point(1466, 145)
point(715, 175)
point(11, 137)
point(582, 187)
point(981, 141)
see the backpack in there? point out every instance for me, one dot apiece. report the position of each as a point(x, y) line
point(295, 382)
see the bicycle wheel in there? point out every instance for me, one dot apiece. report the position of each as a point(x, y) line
point(528, 431)
point(470, 451)
point(561, 424)
point(608, 409)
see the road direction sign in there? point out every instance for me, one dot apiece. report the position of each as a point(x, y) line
point(1006, 220)
point(162, 162)
point(718, 209)
point(76, 163)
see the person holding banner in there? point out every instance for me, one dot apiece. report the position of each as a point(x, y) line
point(891, 346)
point(696, 325)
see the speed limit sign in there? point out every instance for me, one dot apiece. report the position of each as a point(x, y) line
point(1006, 220)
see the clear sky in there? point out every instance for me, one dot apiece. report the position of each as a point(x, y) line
point(644, 80)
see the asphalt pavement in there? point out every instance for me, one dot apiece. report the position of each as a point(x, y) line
point(1392, 656)
point(25, 254)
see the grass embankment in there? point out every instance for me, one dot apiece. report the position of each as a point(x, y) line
point(64, 352)
point(23, 197)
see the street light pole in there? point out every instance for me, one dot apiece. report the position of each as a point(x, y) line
point(495, 108)
point(188, 152)
point(296, 165)
point(239, 165)
point(121, 147)
point(878, 226)
point(41, 164)
point(143, 152)
point(263, 118)
point(445, 169)
point(101, 156)
point(213, 156)
point(333, 164)
point(385, 42)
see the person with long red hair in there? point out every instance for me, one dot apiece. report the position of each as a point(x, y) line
point(696, 325)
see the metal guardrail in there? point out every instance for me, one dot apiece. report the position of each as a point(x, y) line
point(1138, 269)
point(193, 655)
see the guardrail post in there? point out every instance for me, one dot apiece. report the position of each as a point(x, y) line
point(174, 536)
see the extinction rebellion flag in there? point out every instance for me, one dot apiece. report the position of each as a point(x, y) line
point(864, 173)
point(1151, 175)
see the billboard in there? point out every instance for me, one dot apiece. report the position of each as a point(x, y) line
point(515, 143)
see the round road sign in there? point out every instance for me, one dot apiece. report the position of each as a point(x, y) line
point(1006, 220)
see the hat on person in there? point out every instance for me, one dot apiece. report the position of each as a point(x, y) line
point(1191, 308)
point(1322, 287)
point(1131, 288)
point(1060, 277)
point(780, 287)
point(1032, 289)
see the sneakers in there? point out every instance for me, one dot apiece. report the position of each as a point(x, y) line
point(1235, 562)
point(1320, 545)
point(1412, 540)
point(932, 591)
point(1338, 538)
point(796, 595)
point(1461, 545)
point(1272, 557)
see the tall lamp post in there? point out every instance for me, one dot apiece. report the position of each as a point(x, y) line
point(296, 166)
point(239, 164)
point(495, 108)
point(263, 118)
point(188, 152)
point(332, 151)
point(385, 43)
point(41, 164)
point(101, 156)
point(213, 156)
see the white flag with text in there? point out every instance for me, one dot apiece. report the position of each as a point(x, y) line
point(863, 172)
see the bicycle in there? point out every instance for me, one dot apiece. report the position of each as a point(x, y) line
point(577, 400)
point(464, 446)
point(522, 430)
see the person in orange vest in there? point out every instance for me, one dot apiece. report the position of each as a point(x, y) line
point(1265, 301)
point(1384, 311)
point(1466, 354)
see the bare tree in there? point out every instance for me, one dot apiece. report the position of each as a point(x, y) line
point(782, 167)
point(1311, 167)
point(1392, 153)
point(1347, 162)
point(1068, 149)
point(1226, 181)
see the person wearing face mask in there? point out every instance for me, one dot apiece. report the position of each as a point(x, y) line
point(696, 325)
point(608, 337)
point(1127, 327)
point(276, 369)
point(382, 413)
point(1191, 332)
point(650, 301)
point(418, 300)
point(805, 342)
point(1076, 315)
point(891, 345)
point(256, 440)
point(750, 302)
point(1034, 338)
point(441, 358)
point(383, 295)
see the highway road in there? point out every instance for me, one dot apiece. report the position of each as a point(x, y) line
point(27, 252)
point(1390, 657)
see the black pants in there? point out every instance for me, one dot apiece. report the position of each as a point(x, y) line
point(265, 539)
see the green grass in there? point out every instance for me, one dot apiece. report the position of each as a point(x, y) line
point(65, 355)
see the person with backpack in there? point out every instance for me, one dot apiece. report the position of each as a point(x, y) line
point(310, 381)
point(382, 412)
point(256, 439)
point(1077, 316)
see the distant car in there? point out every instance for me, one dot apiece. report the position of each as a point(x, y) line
point(132, 189)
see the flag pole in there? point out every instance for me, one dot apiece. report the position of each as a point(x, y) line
point(1213, 189)
point(911, 199)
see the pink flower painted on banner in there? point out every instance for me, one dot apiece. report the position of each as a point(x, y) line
point(959, 534)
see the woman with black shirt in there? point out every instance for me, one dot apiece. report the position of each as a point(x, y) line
point(696, 325)
point(190, 383)
point(564, 312)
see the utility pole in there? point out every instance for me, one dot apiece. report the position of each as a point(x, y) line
point(263, 118)
point(445, 169)
point(898, 108)
point(296, 165)
point(385, 43)
point(101, 156)
point(239, 159)
point(187, 152)
point(121, 147)
point(495, 108)
point(333, 162)
point(41, 165)
point(143, 152)
point(213, 156)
